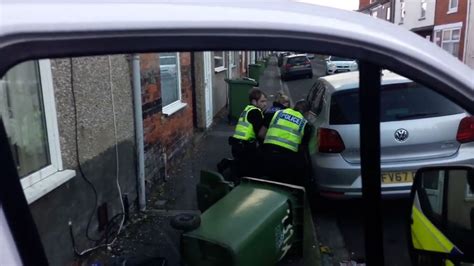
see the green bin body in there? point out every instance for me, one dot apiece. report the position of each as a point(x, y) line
point(255, 71)
point(239, 96)
point(257, 223)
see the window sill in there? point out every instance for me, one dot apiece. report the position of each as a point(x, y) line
point(423, 18)
point(173, 108)
point(219, 69)
point(451, 11)
point(43, 187)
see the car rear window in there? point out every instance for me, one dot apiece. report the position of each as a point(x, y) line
point(297, 60)
point(404, 101)
point(336, 58)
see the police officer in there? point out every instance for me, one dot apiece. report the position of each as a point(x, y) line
point(281, 102)
point(285, 149)
point(245, 140)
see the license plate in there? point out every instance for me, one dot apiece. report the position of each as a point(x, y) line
point(343, 70)
point(397, 177)
point(298, 66)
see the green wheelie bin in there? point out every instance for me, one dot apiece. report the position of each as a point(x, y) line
point(257, 223)
point(255, 71)
point(239, 96)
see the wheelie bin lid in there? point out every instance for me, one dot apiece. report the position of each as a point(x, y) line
point(244, 80)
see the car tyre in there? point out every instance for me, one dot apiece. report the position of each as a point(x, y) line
point(185, 222)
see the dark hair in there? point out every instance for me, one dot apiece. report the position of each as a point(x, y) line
point(255, 94)
point(301, 106)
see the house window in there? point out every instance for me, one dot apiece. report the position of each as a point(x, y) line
point(28, 111)
point(219, 61)
point(453, 6)
point(372, 1)
point(402, 11)
point(449, 39)
point(469, 195)
point(388, 13)
point(423, 9)
point(170, 81)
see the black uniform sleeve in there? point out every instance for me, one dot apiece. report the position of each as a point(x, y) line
point(255, 118)
point(267, 118)
point(308, 131)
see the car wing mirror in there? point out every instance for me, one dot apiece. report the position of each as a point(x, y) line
point(441, 222)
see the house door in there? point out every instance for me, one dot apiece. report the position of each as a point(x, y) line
point(208, 87)
point(434, 187)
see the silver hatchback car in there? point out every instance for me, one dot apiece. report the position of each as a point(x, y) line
point(418, 128)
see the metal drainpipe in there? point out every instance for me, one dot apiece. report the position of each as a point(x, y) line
point(138, 113)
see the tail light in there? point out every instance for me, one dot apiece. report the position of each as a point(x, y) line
point(466, 130)
point(287, 66)
point(307, 63)
point(329, 141)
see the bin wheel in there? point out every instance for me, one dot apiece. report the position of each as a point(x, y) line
point(186, 222)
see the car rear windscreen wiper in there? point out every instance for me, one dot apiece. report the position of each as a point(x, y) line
point(415, 115)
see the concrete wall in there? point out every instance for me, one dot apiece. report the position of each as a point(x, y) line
point(165, 136)
point(219, 90)
point(74, 200)
point(469, 56)
point(413, 14)
point(199, 90)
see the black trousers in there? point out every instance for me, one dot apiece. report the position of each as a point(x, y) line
point(285, 166)
point(247, 158)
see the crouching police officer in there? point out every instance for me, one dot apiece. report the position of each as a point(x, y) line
point(285, 149)
point(245, 140)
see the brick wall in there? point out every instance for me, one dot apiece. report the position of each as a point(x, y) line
point(442, 17)
point(165, 137)
point(363, 3)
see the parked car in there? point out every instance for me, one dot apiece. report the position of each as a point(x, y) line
point(310, 56)
point(281, 56)
point(336, 64)
point(418, 128)
point(296, 66)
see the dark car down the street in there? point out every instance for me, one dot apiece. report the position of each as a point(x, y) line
point(296, 66)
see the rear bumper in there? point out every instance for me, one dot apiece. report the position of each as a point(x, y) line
point(338, 179)
point(298, 72)
point(338, 70)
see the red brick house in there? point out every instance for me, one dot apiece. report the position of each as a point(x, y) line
point(450, 26)
point(167, 103)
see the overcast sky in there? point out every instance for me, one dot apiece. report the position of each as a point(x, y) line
point(343, 4)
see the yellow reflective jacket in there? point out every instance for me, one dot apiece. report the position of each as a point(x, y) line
point(244, 129)
point(286, 129)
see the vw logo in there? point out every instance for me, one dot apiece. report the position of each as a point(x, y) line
point(401, 134)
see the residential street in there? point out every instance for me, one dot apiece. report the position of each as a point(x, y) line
point(339, 224)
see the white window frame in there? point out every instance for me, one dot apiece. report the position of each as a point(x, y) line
point(221, 67)
point(177, 105)
point(452, 9)
point(468, 195)
point(402, 11)
point(423, 9)
point(448, 27)
point(43, 181)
